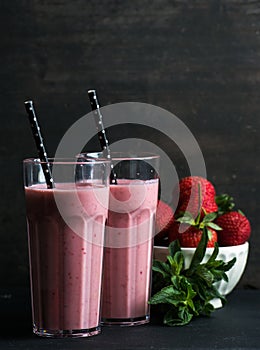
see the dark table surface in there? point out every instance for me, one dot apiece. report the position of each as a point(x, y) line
point(236, 326)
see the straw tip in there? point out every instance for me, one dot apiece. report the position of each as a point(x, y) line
point(28, 105)
point(28, 102)
point(92, 92)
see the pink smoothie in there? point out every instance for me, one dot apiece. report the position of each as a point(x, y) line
point(128, 252)
point(66, 264)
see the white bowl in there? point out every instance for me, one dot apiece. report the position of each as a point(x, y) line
point(225, 254)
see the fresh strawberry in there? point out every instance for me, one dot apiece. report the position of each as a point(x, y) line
point(189, 231)
point(196, 195)
point(164, 220)
point(191, 237)
point(236, 228)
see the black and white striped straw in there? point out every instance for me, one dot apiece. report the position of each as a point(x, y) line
point(101, 130)
point(39, 143)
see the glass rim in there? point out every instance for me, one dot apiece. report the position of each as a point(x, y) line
point(122, 155)
point(68, 161)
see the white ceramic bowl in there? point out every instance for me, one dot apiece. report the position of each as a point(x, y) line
point(226, 254)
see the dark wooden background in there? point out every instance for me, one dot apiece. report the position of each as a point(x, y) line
point(198, 59)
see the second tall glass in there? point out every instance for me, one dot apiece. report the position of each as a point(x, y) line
point(130, 230)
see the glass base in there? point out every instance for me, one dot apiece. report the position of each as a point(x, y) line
point(70, 333)
point(132, 321)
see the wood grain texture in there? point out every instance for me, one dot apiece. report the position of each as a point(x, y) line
point(198, 59)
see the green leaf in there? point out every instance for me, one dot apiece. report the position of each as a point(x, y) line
point(175, 259)
point(179, 261)
point(175, 282)
point(230, 264)
point(186, 220)
point(174, 247)
point(167, 295)
point(185, 315)
point(214, 254)
point(162, 268)
point(225, 203)
point(188, 293)
point(207, 309)
point(214, 226)
point(199, 252)
point(200, 200)
point(190, 296)
point(203, 273)
point(171, 262)
point(182, 318)
point(209, 217)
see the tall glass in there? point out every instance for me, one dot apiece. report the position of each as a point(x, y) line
point(66, 239)
point(130, 230)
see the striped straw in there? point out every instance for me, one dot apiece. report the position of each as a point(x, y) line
point(39, 143)
point(101, 130)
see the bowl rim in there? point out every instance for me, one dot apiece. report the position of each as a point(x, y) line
point(243, 246)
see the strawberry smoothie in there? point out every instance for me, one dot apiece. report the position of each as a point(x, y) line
point(128, 252)
point(66, 263)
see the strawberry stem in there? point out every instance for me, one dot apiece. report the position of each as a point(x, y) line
point(225, 203)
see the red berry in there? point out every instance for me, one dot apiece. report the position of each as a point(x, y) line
point(191, 237)
point(236, 229)
point(190, 199)
point(164, 219)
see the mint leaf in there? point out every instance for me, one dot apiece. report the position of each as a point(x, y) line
point(227, 266)
point(174, 247)
point(187, 293)
point(213, 256)
point(162, 268)
point(167, 295)
point(181, 318)
point(199, 252)
point(176, 262)
point(204, 274)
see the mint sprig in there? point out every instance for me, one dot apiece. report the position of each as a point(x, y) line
point(187, 292)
